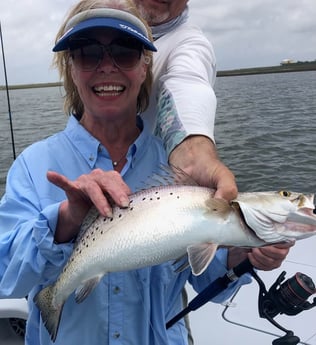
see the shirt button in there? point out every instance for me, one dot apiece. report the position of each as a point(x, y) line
point(116, 290)
point(116, 335)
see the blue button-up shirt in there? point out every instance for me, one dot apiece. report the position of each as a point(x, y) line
point(126, 307)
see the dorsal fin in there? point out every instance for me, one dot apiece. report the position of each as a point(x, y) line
point(168, 176)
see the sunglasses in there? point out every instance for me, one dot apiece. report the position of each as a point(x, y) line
point(87, 54)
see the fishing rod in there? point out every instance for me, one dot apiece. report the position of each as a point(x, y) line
point(8, 95)
point(288, 297)
point(213, 290)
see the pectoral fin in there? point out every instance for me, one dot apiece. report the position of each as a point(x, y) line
point(85, 289)
point(200, 256)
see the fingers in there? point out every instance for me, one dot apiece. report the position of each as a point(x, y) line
point(98, 182)
point(226, 189)
point(91, 189)
point(61, 181)
point(269, 257)
point(224, 182)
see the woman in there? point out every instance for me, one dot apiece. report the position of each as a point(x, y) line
point(104, 58)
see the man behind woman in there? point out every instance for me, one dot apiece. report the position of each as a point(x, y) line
point(104, 55)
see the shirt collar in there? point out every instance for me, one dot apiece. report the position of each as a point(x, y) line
point(88, 146)
point(84, 142)
point(162, 29)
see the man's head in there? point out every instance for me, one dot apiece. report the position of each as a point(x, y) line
point(160, 11)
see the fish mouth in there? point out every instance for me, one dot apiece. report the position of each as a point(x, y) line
point(308, 212)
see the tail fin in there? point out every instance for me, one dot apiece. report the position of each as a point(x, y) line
point(50, 314)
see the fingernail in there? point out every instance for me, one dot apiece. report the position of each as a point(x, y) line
point(124, 202)
point(108, 212)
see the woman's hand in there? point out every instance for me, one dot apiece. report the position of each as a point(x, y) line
point(263, 258)
point(269, 257)
point(85, 191)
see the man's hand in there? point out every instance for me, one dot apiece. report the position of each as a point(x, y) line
point(197, 157)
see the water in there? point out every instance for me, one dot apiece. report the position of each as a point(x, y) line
point(265, 129)
point(36, 114)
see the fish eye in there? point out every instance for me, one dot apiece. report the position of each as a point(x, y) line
point(285, 193)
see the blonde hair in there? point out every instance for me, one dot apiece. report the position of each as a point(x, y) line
point(72, 101)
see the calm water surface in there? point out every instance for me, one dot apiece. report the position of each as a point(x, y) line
point(265, 129)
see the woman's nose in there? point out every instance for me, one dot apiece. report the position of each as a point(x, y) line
point(107, 64)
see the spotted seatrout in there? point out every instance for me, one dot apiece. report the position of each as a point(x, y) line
point(166, 222)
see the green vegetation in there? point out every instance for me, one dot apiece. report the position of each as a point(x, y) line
point(31, 86)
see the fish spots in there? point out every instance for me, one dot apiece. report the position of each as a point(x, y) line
point(172, 193)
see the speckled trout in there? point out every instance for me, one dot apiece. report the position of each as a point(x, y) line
point(166, 222)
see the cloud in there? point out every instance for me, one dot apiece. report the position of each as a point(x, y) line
point(244, 33)
point(258, 33)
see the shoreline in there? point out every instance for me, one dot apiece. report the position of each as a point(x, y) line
point(286, 68)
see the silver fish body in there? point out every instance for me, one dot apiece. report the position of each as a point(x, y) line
point(164, 223)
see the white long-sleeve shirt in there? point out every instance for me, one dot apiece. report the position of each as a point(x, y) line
point(183, 100)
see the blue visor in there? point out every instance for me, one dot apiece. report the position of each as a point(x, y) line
point(119, 24)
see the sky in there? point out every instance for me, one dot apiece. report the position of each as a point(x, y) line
point(247, 33)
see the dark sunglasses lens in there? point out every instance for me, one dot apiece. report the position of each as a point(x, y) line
point(87, 57)
point(125, 57)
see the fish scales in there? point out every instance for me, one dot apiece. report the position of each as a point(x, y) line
point(166, 222)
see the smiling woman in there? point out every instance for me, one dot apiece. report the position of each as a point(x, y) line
point(103, 52)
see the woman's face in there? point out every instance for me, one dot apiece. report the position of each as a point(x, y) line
point(108, 91)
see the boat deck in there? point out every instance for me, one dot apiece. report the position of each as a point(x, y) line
point(13, 315)
point(7, 334)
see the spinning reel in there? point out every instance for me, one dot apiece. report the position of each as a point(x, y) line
point(289, 297)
